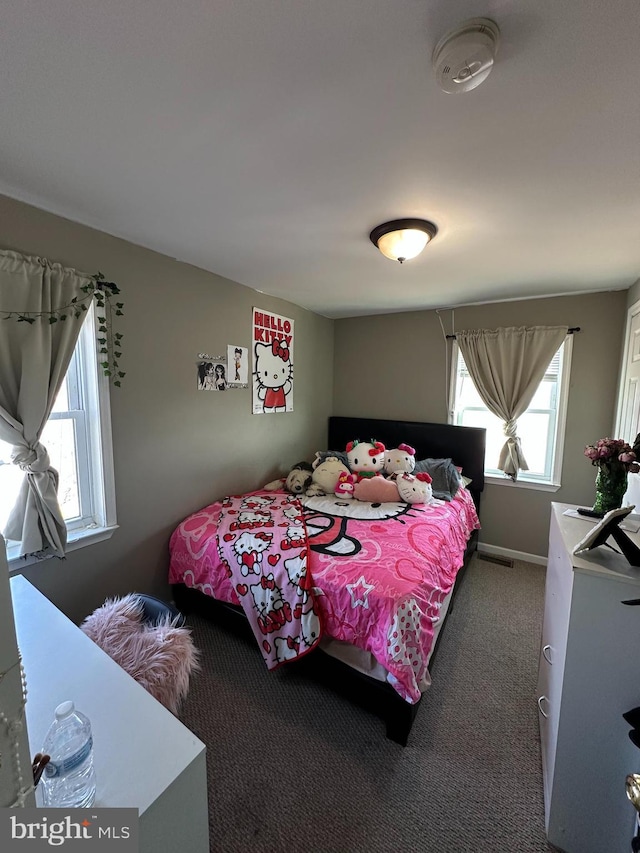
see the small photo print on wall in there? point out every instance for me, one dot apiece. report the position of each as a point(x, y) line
point(211, 373)
point(272, 337)
point(237, 366)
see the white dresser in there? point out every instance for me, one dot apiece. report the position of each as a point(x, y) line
point(144, 757)
point(589, 674)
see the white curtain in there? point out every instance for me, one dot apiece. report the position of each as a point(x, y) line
point(34, 358)
point(506, 367)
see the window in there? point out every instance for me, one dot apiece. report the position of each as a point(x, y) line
point(540, 428)
point(78, 439)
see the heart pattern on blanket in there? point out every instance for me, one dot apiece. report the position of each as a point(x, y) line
point(249, 560)
point(273, 559)
point(242, 589)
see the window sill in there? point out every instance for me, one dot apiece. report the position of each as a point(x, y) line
point(521, 484)
point(77, 539)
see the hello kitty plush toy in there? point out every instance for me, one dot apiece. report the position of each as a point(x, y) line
point(273, 375)
point(365, 458)
point(414, 490)
point(401, 459)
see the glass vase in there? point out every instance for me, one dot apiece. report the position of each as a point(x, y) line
point(611, 485)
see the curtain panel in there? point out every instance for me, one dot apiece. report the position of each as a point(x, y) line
point(34, 358)
point(506, 366)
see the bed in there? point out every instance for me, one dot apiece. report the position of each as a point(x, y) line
point(381, 578)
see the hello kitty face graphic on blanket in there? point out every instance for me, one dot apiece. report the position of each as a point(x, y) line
point(250, 518)
point(249, 548)
point(327, 521)
point(273, 374)
point(256, 502)
point(273, 610)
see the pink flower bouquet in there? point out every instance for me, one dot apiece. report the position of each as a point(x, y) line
point(612, 450)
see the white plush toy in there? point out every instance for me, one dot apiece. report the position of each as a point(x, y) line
point(325, 475)
point(414, 490)
point(400, 460)
point(366, 458)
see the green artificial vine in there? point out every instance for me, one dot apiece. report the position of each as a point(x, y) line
point(103, 292)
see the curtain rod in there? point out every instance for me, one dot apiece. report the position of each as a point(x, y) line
point(569, 332)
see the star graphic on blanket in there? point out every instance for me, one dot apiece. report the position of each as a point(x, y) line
point(359, 592)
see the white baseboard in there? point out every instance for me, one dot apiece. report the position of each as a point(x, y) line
point(508, 552)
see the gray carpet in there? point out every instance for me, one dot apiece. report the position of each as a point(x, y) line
point(292, 767)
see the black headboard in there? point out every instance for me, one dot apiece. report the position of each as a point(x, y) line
point(465, 445)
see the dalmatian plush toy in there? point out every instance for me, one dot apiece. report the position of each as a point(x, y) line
point(297, 480)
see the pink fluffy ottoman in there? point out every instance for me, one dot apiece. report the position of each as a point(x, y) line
point(160, 656)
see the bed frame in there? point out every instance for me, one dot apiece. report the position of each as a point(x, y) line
point(466, 447)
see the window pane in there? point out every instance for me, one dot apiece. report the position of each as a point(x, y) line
point(10, 479)
point(5, 452)
point(544, 396)
point(59, 439)
point(62, 400)
point(533, 430)
point(467, 394)
point(495, 434)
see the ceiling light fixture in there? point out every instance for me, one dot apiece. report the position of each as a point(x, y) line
point(403, 239)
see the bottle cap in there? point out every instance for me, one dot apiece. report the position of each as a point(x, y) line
point(64, 709)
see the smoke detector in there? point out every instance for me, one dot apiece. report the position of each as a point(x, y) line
point(464, 57)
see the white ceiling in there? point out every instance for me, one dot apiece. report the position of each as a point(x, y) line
point(264, 139)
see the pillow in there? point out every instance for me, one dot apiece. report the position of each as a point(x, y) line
point(376, 490)
point(465, 480)
point(444, 475)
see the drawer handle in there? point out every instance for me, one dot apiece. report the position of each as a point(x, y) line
point(546, 654)
point(546, 716)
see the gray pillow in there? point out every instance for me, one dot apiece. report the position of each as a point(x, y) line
point(444, 475)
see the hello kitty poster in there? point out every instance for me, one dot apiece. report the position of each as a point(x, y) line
point(272, 337)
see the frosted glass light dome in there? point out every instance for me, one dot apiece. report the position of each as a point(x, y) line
point(403, 239)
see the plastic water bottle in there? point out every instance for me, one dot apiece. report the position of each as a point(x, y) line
point(69, 779)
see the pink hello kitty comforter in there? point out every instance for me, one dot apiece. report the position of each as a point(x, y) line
point(378, 573)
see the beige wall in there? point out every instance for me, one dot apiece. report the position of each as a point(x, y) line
point(176, 449)
point(394, 366)
point(633, 294)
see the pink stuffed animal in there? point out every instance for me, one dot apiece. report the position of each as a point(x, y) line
point(345, 486)
point(376, 490)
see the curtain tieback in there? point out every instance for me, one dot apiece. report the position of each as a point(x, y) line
point(32, 460)
point(510, 430)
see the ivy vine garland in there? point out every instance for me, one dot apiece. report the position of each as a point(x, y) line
point(110, 343)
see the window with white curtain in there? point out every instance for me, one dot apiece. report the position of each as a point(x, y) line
point(541, 427)
point(78, 439)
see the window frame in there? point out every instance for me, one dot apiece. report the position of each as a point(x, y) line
point(88, 388)
point(525, 480)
